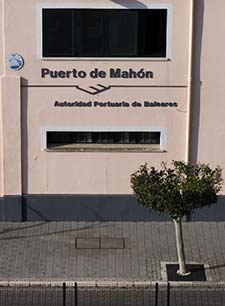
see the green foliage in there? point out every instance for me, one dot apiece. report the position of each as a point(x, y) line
point(178, 190)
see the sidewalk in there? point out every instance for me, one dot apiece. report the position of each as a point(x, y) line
point(55, 251)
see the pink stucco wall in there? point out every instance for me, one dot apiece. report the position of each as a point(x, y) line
point(102, 172)
point(82, 172)
point(10, 135)
point(211, 95)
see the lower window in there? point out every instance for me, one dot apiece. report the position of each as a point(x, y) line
point(103, 141)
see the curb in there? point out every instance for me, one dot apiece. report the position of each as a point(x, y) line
point(111, 284)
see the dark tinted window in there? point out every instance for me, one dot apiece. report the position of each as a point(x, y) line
point(69, 138)
point(104, 33)
point(58, 34)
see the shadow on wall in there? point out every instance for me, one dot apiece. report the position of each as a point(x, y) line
point(214, 213)
point(196, 81)
point(136, 4)
point(24, 135)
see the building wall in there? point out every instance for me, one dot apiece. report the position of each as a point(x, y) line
point(98, 172)
point(45, 173)
point(210, 95)
point(2, 72)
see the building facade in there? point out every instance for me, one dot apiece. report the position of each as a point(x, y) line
point(92, 90)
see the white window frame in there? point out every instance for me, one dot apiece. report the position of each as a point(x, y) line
point(106, 5)
point(45, 129)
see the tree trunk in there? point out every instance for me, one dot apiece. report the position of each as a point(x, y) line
point(180, 247)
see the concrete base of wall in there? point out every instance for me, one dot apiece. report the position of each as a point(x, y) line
point(91, 208)
point(86, 208)
point(11, 208)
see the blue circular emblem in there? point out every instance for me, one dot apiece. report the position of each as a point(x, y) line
point(15, 61)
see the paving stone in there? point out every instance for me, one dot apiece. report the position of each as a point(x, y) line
point(87, 243)
point(112, 243)
point(127, 250)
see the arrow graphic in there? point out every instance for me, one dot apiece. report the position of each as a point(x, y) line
point(94, 90)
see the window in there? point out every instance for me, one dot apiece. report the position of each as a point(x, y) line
point(103, 140)
point(104, 32)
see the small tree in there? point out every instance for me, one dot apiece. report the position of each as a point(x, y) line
point(177, 191)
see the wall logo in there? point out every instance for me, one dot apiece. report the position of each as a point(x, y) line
point(94, 90)
point(15, 61)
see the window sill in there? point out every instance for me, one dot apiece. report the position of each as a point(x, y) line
point(106, 148)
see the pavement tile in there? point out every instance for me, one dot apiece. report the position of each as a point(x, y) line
point(104, 250)
point(112, 243)
point(87, 243)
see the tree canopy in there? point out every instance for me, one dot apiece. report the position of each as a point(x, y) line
point(178, 190)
